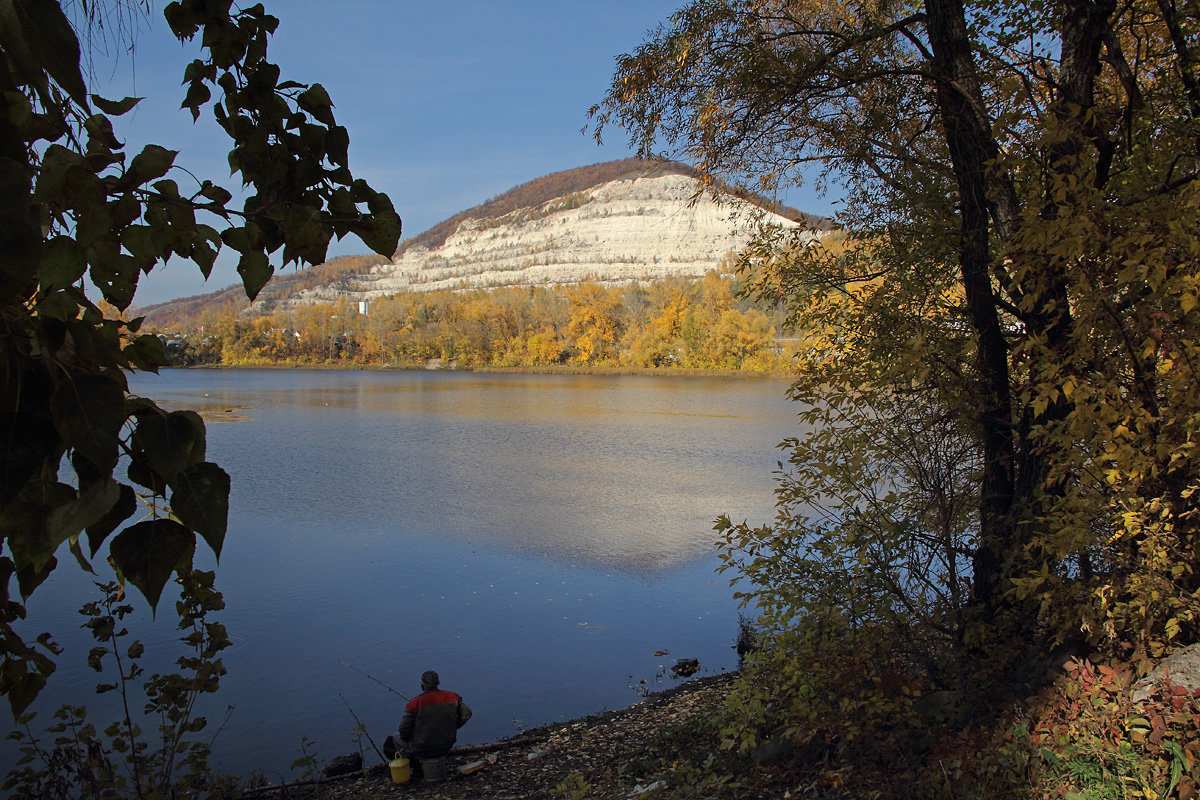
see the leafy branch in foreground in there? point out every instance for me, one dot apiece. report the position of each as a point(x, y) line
point(76, 208)
point(120, 761)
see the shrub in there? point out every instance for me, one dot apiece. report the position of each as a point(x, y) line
point(72, 759)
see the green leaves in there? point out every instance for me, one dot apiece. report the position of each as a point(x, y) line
point(63, 262)
point(168, 444)
point(315, 100)
point(153, 162)
point(124, 508)
point(21, 685)
point(383, 228)
point(75, 208)
point(88, 412)
point(255, 269)
point(200, 501)
point(91, 506)
point(38, 38)
point(37, 515)
point(147, 553)
point(115, 108)
point(145, 352)
point(167, 452)
point(286, 146)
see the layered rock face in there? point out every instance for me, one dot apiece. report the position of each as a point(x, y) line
point(623, 231)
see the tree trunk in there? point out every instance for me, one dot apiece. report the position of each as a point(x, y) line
point(1047, 309)
point(972, 147)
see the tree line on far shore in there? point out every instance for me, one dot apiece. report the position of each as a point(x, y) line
point(672, 323)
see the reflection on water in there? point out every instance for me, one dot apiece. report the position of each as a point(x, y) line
point(536, 539)
point(617, 471)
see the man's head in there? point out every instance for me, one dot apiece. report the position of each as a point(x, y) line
point(429, 681)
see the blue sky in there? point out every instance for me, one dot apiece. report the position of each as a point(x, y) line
point(447, 103)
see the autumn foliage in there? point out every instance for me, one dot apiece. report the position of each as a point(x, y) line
point(998, 372)
point(669, 324)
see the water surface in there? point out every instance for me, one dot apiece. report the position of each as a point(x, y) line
point(535, 539)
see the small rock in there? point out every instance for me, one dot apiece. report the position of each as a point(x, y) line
point(640, 790)
point(661, 653)
point(685, 667)
point(344, 765)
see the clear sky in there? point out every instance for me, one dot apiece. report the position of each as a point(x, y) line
point(448, 103)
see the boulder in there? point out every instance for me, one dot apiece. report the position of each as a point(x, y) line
point(344, 765)
point(1180, 669)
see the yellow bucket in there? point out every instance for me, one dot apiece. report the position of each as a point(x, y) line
point(400, 770)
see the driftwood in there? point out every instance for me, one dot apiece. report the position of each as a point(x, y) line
point(488, 748)
point(458, 751)
point(281, 787)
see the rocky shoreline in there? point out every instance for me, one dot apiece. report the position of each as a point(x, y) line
point(597, 750)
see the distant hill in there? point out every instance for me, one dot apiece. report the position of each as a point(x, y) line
point(542, 190)
point(617, 221)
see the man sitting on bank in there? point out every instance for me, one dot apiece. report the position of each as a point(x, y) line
point(430, 723)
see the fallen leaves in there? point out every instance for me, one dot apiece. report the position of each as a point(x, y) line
point(529, 768)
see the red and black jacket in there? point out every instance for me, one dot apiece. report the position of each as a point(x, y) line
point(431, 721)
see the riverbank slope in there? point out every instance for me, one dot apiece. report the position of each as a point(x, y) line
point(617, 754)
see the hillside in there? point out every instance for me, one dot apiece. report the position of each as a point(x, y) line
point(282, 285)
point(617, 222)
point(539, 192)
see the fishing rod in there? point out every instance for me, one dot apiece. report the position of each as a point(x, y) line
point(372, 677)
point(362, 728)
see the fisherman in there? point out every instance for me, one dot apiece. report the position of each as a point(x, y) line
point(430, 724)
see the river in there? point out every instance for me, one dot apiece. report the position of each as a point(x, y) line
point(536, 539)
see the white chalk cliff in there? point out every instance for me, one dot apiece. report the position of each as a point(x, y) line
point(622, 231)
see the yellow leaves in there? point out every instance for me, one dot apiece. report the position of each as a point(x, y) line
point(594, 321)
point(681, 55)
point(1040, 404)
point(1138, 729)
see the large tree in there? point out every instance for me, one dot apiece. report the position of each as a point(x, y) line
point(80, 221)
point(1022, 184)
